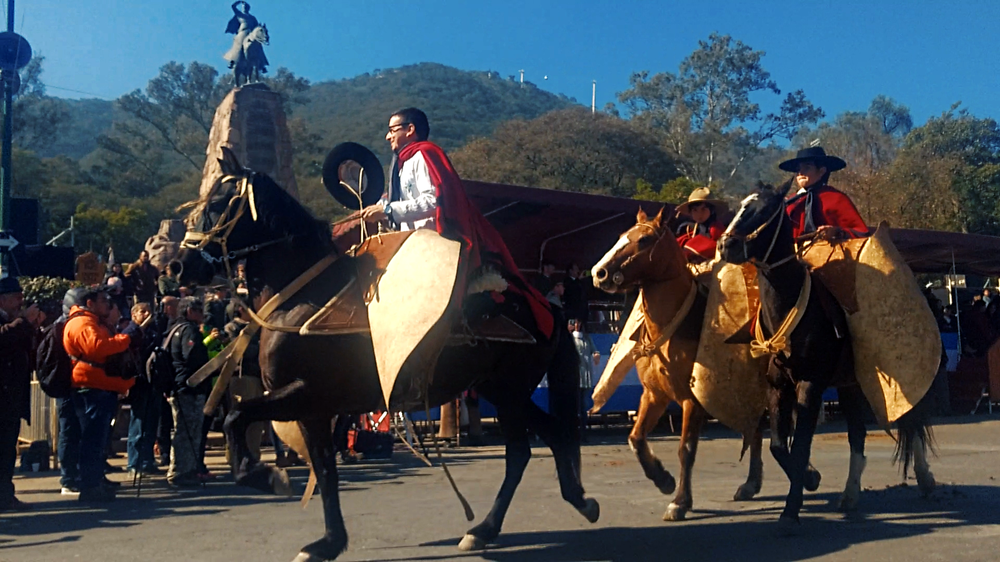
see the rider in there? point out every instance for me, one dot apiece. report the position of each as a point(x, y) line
point(426, 192)
point(698, 236)
point(818, 207)
point(241, 24)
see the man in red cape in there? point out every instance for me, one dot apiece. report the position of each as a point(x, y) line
point(426, 192)
point(818, 207)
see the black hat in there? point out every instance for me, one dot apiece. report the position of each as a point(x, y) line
point(348, 159)
point(814, 154)
point(10, 285)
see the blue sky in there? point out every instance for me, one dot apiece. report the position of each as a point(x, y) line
point(925, 54)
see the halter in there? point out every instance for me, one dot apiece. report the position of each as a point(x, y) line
point(219, 233)
point(779, 213)
point(618, 278)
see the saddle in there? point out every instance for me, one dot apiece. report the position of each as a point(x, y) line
point(347, 311)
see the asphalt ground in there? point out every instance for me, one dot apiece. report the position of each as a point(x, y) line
point(403, 510)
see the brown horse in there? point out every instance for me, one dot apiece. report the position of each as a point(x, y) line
point(647, 256)
point(311, 379)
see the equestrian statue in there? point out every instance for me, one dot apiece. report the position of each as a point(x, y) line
point(246, 56)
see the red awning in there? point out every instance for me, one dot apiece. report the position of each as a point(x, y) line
point(562, 226)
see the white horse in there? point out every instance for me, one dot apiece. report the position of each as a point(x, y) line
point(252, 62)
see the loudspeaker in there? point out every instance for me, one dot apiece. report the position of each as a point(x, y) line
point(24, 220)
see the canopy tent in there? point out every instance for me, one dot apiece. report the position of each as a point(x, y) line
point(567, 227)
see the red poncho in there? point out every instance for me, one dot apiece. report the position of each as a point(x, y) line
point(457, 216)
point(830, 208)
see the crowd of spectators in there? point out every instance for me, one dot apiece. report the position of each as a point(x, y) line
point(108, 333)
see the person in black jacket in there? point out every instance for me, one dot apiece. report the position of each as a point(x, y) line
point(18, 326)
point(188, 354)
point(143, 398)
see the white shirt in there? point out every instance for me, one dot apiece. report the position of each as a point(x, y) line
point(417, 196)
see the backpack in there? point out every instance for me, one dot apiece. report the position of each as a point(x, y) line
point(160, 364)
point(53, 366)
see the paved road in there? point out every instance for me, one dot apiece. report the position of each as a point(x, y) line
point(405, 511)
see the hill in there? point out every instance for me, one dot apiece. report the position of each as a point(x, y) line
point(461, 105)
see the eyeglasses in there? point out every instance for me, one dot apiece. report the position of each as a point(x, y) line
point(397, 127)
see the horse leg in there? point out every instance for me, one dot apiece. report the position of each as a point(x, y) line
point(283, 404)
point(809, 401)
point(322, 452)
point(651, 409)
point(755, 477)
point(694, 418)
point(853, 402)
point(914, 438)
point(513, 424)
point(780, 405)
point(567, 461)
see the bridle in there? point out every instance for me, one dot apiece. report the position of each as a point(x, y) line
point(219, 234)
point(618, 278)
point(763, 264)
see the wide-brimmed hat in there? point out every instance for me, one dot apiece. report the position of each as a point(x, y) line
point(703, 195)
point(10, 285)
point(344, 164)
point(814, 154)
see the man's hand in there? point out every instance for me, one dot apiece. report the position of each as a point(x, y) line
point(597, 358)
point(373, 213)
point(828, 233)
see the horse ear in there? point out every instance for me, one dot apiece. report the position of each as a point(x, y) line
point(658, 221)
point(229, 164)
point(783, 188)
point(641, 216)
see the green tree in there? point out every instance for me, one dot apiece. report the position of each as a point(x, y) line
point(570, 149)
point(705, 113)
point(37, 118)
point(126, 229)
point(675, 191)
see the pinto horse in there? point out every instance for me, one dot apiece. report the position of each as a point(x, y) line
point(820, 352)
point(647, 256)
point(311, 379)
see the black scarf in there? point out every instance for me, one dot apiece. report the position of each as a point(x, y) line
point(808, 222)
point(394, 187)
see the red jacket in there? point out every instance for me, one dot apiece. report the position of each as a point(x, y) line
point(830, 208)
point(700, 245)
point(457, 216)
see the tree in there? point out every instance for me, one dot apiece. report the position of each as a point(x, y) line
point(705, 113)
point(125, 228)
point(37, 118)
point(570, 149)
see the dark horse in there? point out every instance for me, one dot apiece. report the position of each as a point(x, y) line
point(311, 379)
point(820, 356)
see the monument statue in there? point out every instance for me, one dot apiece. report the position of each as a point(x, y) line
point(246, 56)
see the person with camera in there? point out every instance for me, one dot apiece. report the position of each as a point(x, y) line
point(18, 326)
point(143, 397)
point(188, 354)
point(90, 345)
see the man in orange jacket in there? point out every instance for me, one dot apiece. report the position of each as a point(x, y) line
point(90, 344)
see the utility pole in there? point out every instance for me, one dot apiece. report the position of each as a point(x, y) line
point(522, 77)
point(15, 54)
point(593, 99)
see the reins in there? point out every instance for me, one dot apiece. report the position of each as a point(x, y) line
point(778, 341)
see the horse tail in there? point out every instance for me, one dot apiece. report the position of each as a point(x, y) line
point(564, 383)
point(914, 430)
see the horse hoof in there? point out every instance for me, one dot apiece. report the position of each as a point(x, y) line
point(591, 511)
point(280, 483)
point(666, 483)
point(746, 492)
point(675, 513)
point(847, 502)
point(788, 526)
point(811, 482)
point(306, 557)
point(471, 542)
point(926, 483)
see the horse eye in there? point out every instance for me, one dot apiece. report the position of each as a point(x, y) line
point(645, 240)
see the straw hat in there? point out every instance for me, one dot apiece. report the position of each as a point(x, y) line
point(703, 195)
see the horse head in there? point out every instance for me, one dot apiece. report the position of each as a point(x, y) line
point(630, 262)
point(243, 213)
point(757, 226)
point(259, 34)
